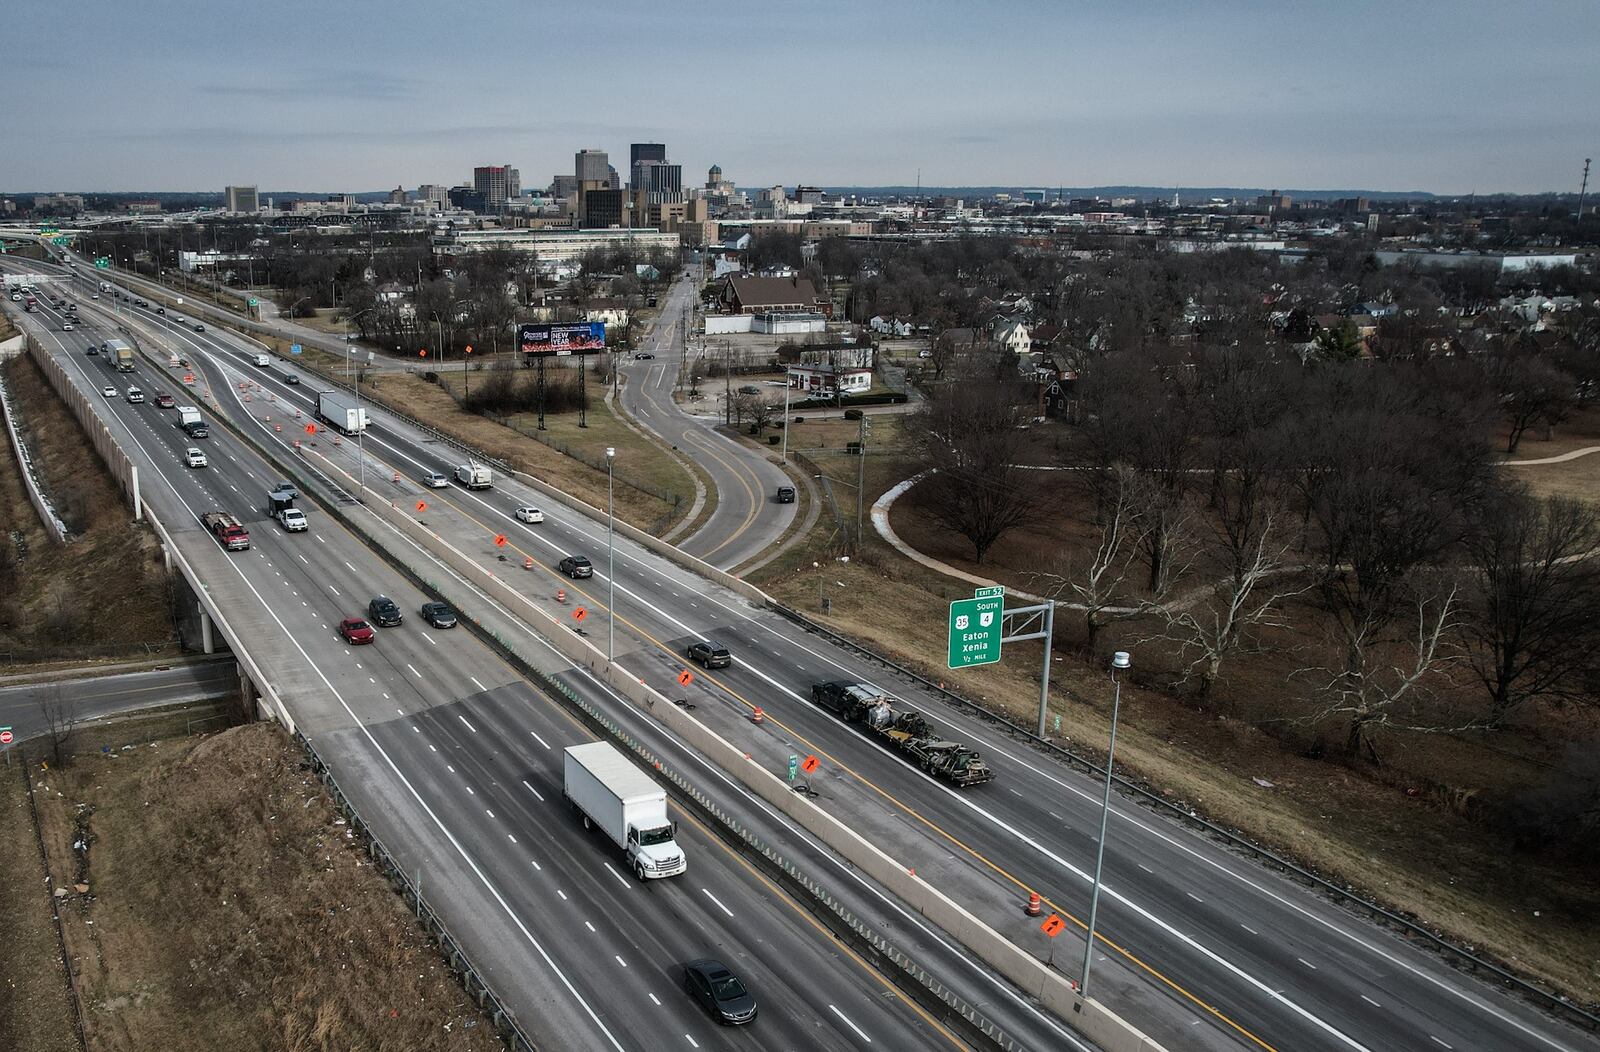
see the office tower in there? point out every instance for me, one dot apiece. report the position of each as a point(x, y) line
point(497, 183)
point(592, 166)
point(659, 181)
point(242, 199)
point(646, 151)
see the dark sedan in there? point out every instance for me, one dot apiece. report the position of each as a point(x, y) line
point(384, 612)
point(719, 991)
point(439, 615)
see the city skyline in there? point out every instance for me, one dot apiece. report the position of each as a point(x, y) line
point(1379, 97)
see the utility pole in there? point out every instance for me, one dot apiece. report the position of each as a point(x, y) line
point(861, 472)
point(1583, 191)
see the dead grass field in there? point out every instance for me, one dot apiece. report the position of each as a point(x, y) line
point(35, 1015)
point(105, 593)
point(1579, 477)
point(219, 903)
point(1402, 835)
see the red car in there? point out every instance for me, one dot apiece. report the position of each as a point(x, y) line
point(355, 631)
point(164, 401)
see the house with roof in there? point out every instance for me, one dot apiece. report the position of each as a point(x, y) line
point(1013, 336)
point(750, 294)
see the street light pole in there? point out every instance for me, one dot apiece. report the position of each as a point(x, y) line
point(611, 562)
point(783, 457)
point(1119, 661)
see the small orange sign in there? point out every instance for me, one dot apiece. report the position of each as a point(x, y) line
point(311, 429)
point(685, 678)
point(1052, 925)
point(499, 540)
point(422, 353)
point(422, 505)
point(579, 614)
point(809, 764)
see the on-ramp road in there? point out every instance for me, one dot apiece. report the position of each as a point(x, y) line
point(747, 520)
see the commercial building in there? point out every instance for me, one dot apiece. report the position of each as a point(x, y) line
point(497, 184)
point(748, 294)
point(242, 199)
point(658, 181)
point(826, 381)
point(603, 208)
point(646, 151)
point(592, 166)
point(555, 247)
point(434, 193)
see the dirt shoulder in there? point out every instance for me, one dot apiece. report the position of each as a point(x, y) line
point(1408, 844)
point(214, 899)
point(105, 593)
point(35, 1013)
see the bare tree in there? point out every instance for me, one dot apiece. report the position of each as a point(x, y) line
point(59, 714)
point(1532, 630)
point(969, 438)
point(1532, 391)
point(1098, 587)
point(1372, 691)
point(1238, 605)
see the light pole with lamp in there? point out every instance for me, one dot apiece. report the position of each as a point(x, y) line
point(611, 562)
point(361, 421)
point(1119, 661)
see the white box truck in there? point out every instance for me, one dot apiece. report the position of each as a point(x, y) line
point(628, 806)
point(339, 409)
point(474, 476)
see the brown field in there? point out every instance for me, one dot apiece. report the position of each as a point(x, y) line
point(286, 937)
point(67, 602)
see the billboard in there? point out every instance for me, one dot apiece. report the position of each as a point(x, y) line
point(584, 337)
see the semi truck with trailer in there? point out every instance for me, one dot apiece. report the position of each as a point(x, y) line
point(340, 410)
point(610, 792)
point(902, 731)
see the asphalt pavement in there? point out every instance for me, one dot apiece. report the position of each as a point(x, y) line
point(747, 521)
point(1200, 948)
point(97, 697)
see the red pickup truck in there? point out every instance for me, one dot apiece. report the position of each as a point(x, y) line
point(228, 530)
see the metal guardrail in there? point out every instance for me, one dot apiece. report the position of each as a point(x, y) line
point(460, 963)
point(1582, 1015)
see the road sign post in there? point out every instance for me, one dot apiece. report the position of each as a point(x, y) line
point(975, 628)
point(794, 767)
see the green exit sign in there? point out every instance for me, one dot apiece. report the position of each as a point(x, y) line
point(975, 631)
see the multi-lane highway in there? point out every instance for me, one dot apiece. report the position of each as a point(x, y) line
point(747, 520)
point(1202, 949)
point(456, 761)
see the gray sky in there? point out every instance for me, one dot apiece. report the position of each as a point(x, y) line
point(1451, 96)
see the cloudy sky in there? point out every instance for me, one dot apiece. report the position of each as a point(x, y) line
point(1451, 96)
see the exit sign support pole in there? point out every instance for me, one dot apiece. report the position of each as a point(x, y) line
point(1020, 620)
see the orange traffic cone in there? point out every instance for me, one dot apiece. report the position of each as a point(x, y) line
point(757, 716)
point(1033, 909)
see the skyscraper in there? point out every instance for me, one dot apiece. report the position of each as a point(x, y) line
point(659, 181)
point(646, 151)
point(592, 166)
point(497, 183)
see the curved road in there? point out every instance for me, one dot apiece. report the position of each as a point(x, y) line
point(747, 521)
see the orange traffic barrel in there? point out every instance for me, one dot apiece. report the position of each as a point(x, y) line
point(757, 716)
point(1033, 908)
point(527, 564)
point(561, 595)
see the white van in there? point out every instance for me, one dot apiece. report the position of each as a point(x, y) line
point(263, 360)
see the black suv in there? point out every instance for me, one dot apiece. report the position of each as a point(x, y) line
point(785, 494)
point(576, 566)
point(439, 615)
point(710, 654)
point(383, 612)
point(720, 991)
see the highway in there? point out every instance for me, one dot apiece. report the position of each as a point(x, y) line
point(455, 760)
point(747, 521)
point(1202, 949)
point(97, 697)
